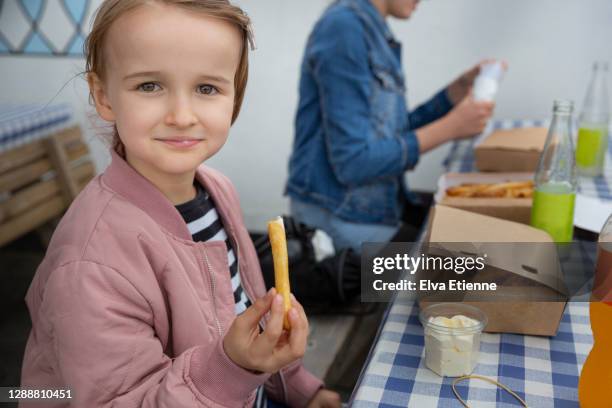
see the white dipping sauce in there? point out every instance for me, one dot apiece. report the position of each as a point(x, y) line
point(452, 345)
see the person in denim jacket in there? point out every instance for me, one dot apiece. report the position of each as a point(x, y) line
point(354, 136)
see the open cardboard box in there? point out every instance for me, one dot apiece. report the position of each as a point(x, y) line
point(506, 315)
point(511, 209)
point(511, 150)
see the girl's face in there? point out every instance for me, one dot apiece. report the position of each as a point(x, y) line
point(169, 87)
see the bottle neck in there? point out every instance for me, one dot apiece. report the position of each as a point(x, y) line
point(556, 169)
point(561, 127)
point(596, 102)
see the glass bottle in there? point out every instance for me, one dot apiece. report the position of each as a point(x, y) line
point(555, 179)
point(594, 123)
point(602, 285)
point(596, 375)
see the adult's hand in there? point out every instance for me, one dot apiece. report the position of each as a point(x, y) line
point(469, 117)
point(274, 348)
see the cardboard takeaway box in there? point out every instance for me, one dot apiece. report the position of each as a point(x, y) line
point(511, 209)
point(511, 150)
point(505, 313)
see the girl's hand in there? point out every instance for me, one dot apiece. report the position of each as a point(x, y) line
point(274, 348)
point(461, 87)
point(325, 399)
point(469, 117)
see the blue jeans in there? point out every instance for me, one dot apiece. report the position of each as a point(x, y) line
point(345, 234)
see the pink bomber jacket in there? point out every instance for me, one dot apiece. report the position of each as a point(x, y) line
point(128, 311)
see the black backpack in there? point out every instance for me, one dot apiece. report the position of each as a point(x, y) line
point(319, 286)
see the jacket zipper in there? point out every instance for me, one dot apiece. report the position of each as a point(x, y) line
point(281, 376)
point(213, 288)
point(235, 241)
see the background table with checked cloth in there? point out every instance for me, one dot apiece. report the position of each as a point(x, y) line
point(544, 371)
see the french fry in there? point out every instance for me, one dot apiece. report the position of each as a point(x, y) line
point(515, 189)
point(278, 240)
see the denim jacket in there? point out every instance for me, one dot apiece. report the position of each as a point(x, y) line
point(354, 137)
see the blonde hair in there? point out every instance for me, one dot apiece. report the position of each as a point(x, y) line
point(110, 10)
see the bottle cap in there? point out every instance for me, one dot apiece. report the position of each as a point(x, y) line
point(494, 70)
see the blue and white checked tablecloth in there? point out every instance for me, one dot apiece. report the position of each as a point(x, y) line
point(544, 371)
point(21, 124)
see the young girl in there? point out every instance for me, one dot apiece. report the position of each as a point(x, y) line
point(135, 303)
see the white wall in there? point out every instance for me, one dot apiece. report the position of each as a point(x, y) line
point(550, 45)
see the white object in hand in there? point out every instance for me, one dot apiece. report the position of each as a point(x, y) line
point(451, 350)
point(486, 83)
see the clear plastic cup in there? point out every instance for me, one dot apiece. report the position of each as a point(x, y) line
point(452, 351)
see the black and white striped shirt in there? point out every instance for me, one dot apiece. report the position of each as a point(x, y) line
point(205, 225)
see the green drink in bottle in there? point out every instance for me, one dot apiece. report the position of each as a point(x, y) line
point(591, 149)
point(553, 210)
point(555, 179)
point(592, 144)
